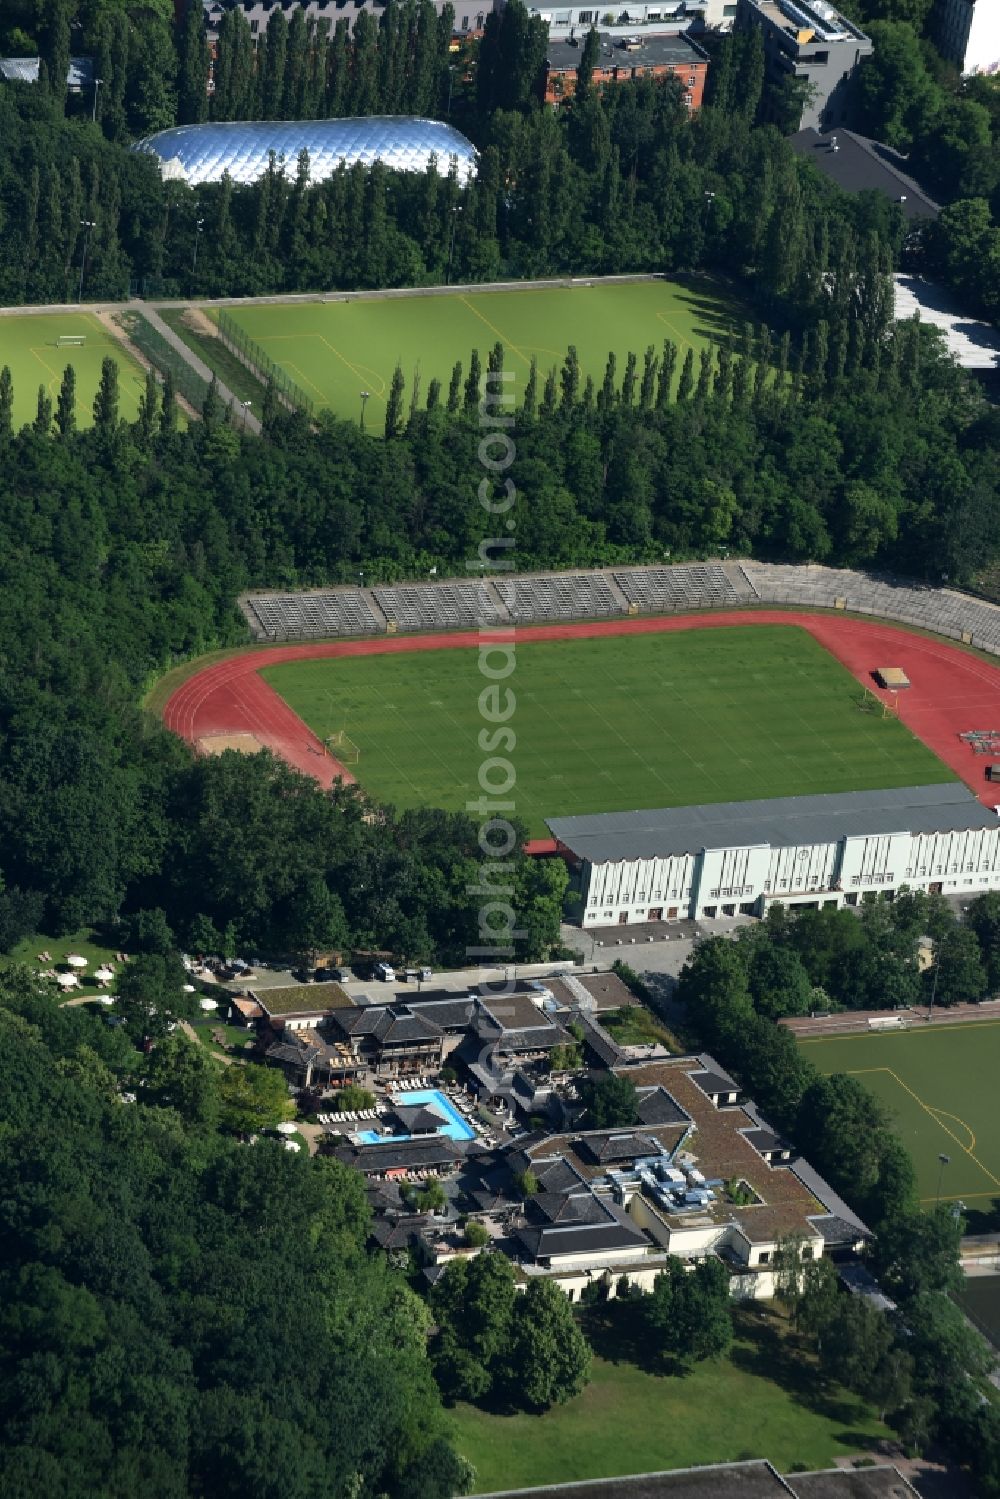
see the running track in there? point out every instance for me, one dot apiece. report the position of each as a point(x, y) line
point(951, 689)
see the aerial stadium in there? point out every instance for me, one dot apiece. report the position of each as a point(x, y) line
point(242, 149)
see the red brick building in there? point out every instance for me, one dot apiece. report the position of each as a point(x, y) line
point(623, 58)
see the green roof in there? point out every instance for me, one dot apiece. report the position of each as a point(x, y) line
point(291, 999)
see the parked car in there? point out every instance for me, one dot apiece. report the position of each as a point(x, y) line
point(385, 973)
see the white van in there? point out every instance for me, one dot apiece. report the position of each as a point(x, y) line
point(385, 972)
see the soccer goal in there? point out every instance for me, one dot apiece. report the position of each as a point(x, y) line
point(71, 340)
point(343, 748)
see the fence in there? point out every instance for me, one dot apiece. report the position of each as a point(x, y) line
point(256, 359)
point(150, 341)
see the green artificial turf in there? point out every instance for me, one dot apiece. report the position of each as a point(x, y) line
point(764, 1401)
point(940, 1083)
point(335, 350)
point(613, 723)
point(28, 346)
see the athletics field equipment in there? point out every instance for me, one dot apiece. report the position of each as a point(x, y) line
point(332, 351)
point(940, 1083)
point(39, 346)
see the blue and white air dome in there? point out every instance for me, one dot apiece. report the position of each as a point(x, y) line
point(405, 143)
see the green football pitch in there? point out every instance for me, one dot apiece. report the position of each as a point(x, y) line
point(335, 350)
point(28, 344)
point(615, 722)
point(941, 1084)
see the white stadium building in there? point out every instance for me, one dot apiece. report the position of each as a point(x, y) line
point(732, 858)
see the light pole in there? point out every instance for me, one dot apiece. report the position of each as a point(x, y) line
point(87, 224)
point(365, 397)
point(945, 1160)
point(246, 413)
point(455, 211)
point(97, 84)
point(198, 224)
point(451, 80)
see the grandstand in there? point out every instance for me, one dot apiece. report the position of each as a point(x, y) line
point(438, 606)
point(541, 597)
point(560, 596)
point(708, 585)
point(311, 616)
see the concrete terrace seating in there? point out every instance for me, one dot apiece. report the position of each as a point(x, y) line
point(438, 606)
point(559, 596)
point(696, 585)
point(311, 616)
point(955, 615)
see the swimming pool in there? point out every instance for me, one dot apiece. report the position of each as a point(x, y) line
point(456, 1127)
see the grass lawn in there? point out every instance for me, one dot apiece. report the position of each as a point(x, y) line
point(763, 1401)
point(28, 345)
point(83, 942)
point(230, 370)
point(941, 1084)
point(608, 724)
point(335, 350)
point(236, 1036)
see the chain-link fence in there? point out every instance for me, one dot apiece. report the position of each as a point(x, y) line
point(261, 364)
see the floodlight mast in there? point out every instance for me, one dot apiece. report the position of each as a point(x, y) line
point(87, 224)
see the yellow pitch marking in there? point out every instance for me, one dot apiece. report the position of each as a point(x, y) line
point(935, 1115)
point(493, 328)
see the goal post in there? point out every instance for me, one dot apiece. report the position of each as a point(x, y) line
point(71, 340)
point(342, 747)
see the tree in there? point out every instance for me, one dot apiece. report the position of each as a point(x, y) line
point(6, 405)
point(149, 992)
point(588, 61)
point(180, 1074)
point(689, 1310)
point(548, 1360)
point(476, 1234)
point(352, 1099)
point(472, 382)
point(66, 403)
point(43, 413)
point(192, 67)
point(394, 405)
point(917, 1252)
point(106, 399)
point(54, 50)
point(610, 1101)
point(253, 1098)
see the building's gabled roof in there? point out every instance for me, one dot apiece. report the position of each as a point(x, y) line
point(656, 1106)
point(714, 1083)
point(402, 1155)
point(608, 1147)
point(784, 821)
point(417, 1118)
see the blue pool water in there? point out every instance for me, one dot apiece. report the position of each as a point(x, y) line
point(456, 1128)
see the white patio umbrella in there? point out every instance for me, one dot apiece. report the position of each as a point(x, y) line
point(286, 1127)
point(67, 981)
point(189, 988)
point(75, 961)
point(292, 1145)
point(104, 974)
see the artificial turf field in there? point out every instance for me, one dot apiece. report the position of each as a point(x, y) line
point(941, 1084)
point(28, 346)
point(335, 350)
point(612, 723)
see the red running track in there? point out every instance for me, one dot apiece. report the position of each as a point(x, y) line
point(951, 690)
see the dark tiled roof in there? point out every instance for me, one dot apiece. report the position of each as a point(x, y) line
point(714, 1083)
point(834, 1230)
point(608, 1147)
point(765, 1140)
point(417, 1118)
point(403, 1155)
point(656, 1106)
point(541, 1241)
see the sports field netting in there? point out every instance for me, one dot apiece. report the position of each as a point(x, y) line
point(940, 1083)
point(613, 723)
point(28, 346)
point(335, 350)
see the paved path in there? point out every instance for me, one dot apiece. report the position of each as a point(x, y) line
point(195, 361)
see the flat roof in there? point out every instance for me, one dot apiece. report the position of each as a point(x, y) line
point(974, 344)
point(302, 999)
point(784, 821)
point(861, 165)
point(667, 49)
